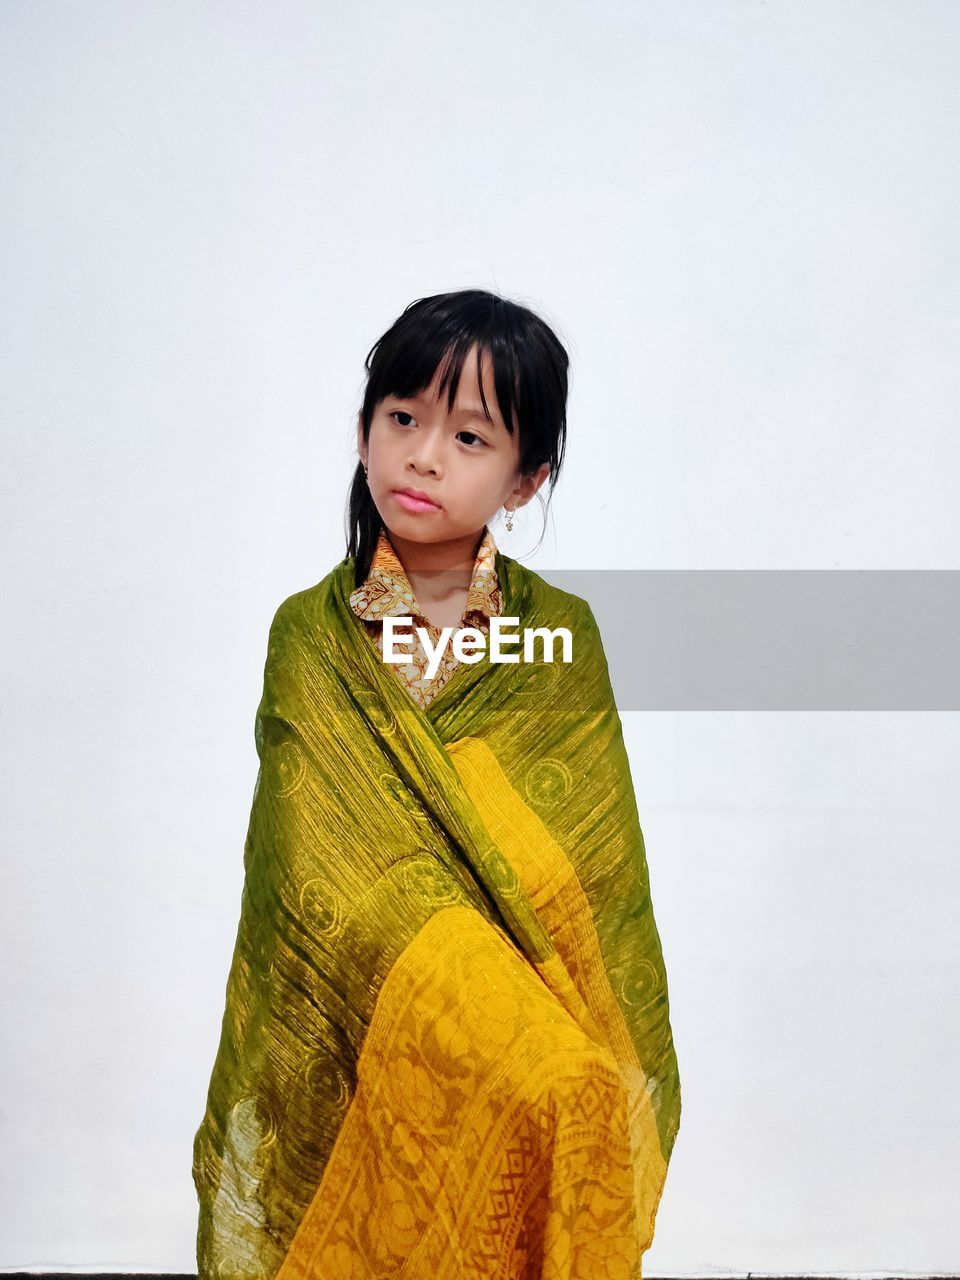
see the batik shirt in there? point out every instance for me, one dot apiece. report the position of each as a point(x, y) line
point(387, 593)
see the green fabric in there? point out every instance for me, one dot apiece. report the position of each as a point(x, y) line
point(360, 829)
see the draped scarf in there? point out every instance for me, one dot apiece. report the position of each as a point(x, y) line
point(446, 1046)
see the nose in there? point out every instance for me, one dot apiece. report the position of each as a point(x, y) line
point(425, 452)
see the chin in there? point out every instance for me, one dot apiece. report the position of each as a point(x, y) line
point(411, 526)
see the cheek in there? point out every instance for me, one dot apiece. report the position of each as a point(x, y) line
point(379, 442)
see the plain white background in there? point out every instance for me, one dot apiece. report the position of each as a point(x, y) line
point(741, 217)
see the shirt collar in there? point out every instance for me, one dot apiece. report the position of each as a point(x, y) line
point(386, 592)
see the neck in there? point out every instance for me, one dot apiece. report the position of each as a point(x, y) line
point(437, 569)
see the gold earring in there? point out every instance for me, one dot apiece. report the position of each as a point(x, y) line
point(509, 518)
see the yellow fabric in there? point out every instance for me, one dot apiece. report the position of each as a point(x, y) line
point(386, 592)
point(482, 1112)
point(446, 1048)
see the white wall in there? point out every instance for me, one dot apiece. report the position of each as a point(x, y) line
point(742, 219)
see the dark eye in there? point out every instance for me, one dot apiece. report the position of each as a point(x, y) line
point(403, 414)
point(475, 436)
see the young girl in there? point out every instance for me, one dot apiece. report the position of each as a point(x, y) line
point(446, 1049)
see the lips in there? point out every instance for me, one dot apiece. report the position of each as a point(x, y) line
point(415, 500)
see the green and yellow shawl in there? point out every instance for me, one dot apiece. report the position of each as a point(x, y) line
point(446, 1050)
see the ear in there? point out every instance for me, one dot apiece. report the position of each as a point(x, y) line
point(528, 485)
point(361, 446)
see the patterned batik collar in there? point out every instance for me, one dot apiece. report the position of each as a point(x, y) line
point(387, 591)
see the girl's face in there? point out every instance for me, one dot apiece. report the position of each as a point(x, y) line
point(464, 463)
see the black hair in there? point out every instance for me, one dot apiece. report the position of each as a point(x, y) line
point(529, 372)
